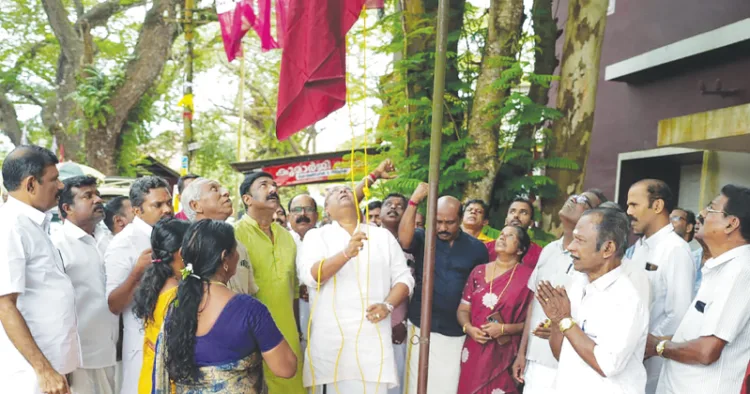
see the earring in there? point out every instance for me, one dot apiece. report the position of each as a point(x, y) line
point(226, 268)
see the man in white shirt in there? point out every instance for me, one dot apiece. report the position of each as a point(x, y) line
point(83, 209)
point(363, 276)
point(711, 348)
point(535, 365)
point(666, 258)
point(207, 199)
point(599, 326)
point(126, 259)
point(303, 216)
point(38, 337)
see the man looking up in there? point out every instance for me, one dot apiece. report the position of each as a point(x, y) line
point(182, 184)
point(667, 260)
point(521, 214)
point(475, 218)
point(126, 259)
point(272, 253)
point(38, 338)
point(711, 348)
point(83, 209)
point(207, 199)
point(457, 254)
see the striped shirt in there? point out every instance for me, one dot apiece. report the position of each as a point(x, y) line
point(721, 309)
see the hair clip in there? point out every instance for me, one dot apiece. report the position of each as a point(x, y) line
point(156, 261)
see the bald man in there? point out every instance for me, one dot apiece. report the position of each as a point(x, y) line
point(457, 255)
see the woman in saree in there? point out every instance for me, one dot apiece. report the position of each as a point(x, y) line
point(215, 340)
point(492, 313)
point(158, 288)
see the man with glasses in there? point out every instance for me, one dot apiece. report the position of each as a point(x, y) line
point(667, 260)
point(710, 350)
point(684, 223)
point(303, 216)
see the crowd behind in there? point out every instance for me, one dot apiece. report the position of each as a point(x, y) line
point(129, 297)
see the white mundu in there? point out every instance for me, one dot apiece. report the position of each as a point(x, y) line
point(120, 259)
point(721, 309)
point(338, 308)
point(668, 262)
point(31, 266)
point(97, 326)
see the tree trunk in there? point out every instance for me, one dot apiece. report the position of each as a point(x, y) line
point(142, 71)
point(504, 25)
point(576, 99)
point(9, 119)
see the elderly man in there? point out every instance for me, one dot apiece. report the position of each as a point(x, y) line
point(600, 325)
point(126, 259)
point(272, 254)
point(347, 259)
point(535, 364)
point(83, 209)
point(207, 199)
point(303, 216)
point(182, 184)
point(38, 338)
point(711, 347)
point(457, 254)
point(667, 260)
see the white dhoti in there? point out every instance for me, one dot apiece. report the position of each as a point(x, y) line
point(445, 363)
point(351, 387)
point(399, 354)
point(93, 381)
point(118, 377)
point(538, 378)
point(653, 371)
point(304, 319)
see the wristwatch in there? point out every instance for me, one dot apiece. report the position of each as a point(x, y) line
point(388, 306)
point(660, 347)
point(566, 324)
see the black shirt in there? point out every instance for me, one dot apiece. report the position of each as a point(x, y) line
point(453, 264)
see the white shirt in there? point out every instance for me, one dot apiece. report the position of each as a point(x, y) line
point(724, 297)
point(31, 266)
point(556, 266)
point(119, 260)
point(383, 258)
point(639, 278)
point(84, 264)
point(611, 312)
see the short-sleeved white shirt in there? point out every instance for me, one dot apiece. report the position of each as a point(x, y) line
point(721, 309)
point(31, 266)
point(84, 264)
point(611, 312)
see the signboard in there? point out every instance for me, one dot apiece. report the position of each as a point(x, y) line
point(313, 171)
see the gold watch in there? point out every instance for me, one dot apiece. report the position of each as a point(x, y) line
point(660, 347)
point(566, 324)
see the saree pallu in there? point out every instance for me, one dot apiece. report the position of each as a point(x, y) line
point(241, 376)
point(485, 369)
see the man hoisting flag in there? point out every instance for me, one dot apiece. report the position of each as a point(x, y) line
point(312, 83)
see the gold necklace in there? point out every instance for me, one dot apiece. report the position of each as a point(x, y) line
point(216, 282)
point(494, 266)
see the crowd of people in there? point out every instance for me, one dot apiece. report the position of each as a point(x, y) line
point(129, 297)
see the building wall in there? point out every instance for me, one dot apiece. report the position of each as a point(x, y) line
point(627, 114)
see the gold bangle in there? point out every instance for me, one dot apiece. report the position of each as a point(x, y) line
point(464, 327)
point(502, 329)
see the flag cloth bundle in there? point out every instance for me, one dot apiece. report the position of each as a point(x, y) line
point(236, 17)
point(312, 83)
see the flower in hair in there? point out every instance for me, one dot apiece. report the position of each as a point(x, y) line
point(188, 271)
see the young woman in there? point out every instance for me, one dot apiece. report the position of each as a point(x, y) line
point(492, 313)
point(215, 339)
point(158, 288)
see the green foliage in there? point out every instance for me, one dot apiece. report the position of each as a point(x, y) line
point(92, 95)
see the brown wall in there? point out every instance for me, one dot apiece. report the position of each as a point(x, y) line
point(627, 114)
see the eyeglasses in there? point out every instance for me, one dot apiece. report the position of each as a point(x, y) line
point(299, 210)
point(677, 218)
point(581, 199)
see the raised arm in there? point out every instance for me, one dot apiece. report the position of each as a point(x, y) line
point(406, 228)
point(381, 172)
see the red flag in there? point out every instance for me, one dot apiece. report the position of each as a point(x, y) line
point(236, 17)
point(312, 83)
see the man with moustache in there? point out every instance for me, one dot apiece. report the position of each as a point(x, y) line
point(126, 259)
point(457, 253)
point(710, 350)
point(374, 208)
point(280, 217)
point(272, 254)
point(303, 216)
point(600, 323)
point(684, 223)
point(667, 260)
point(362, 274)
point(391, 213)
point(521, 214)
point(207, 199)
point(83, 209)
point(38, 334)
point(535, 364)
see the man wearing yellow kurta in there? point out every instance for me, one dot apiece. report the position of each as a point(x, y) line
point(272, 253)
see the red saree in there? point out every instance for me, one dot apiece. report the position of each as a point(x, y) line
point(485, 369)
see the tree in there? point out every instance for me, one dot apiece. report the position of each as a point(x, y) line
point(576, 99)
point(500, 50)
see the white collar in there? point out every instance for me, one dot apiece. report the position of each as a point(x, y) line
point(606, 280)
point(142, 226)
point(654, 239)
point(74, 231)
point(42, 219)
point(727, 256)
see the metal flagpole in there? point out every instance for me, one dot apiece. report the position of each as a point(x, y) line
point(436, 135)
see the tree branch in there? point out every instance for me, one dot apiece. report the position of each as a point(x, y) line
point(79, 8)
point(9, 119)
point(99, 14)
point(58, 19)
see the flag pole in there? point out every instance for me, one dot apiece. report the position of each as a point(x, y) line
point(428, 278)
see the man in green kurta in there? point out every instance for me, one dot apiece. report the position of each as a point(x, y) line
point(272, 253)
